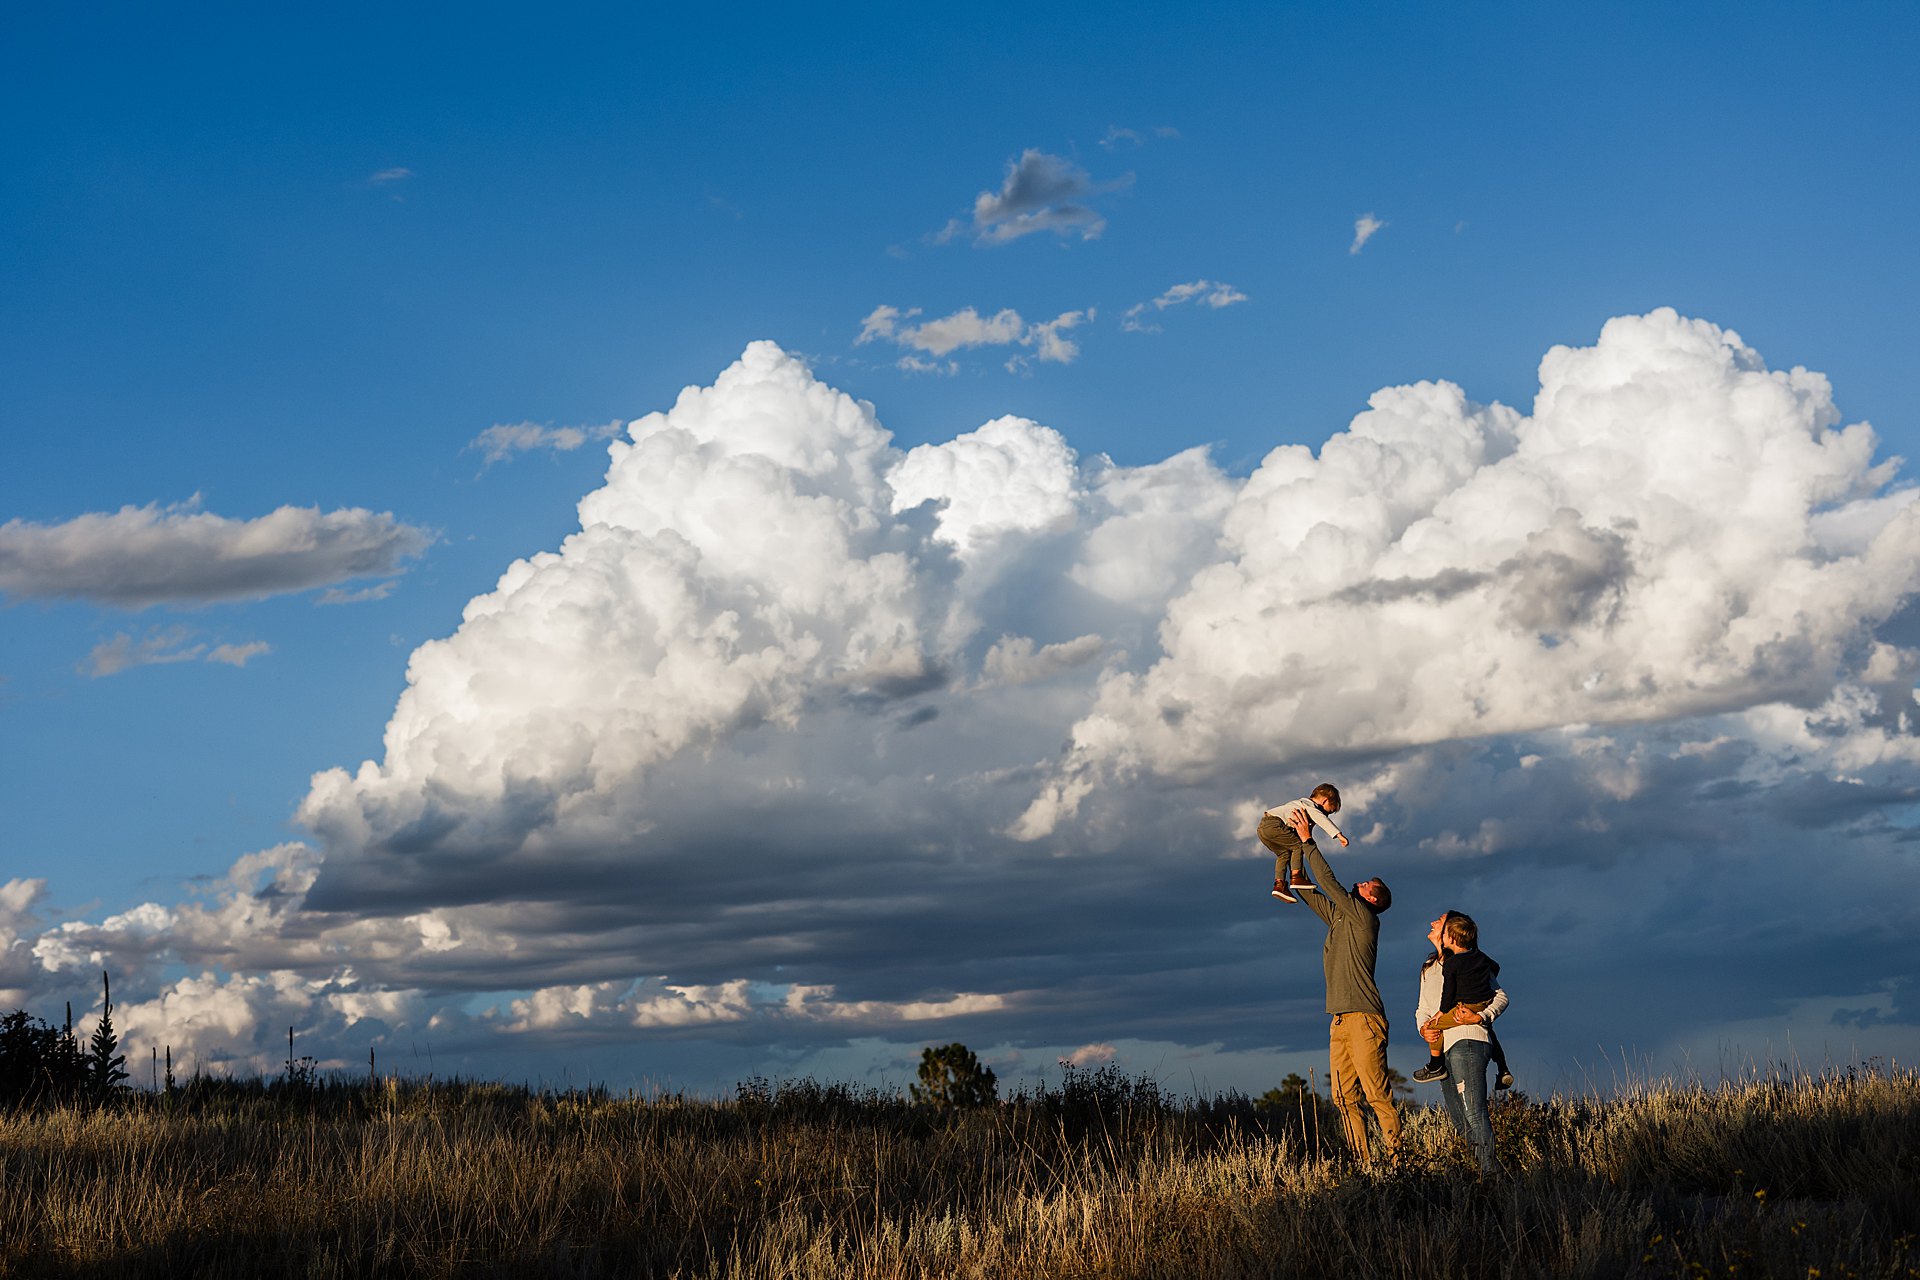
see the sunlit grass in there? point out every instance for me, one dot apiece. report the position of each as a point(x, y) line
point(1790, 1176)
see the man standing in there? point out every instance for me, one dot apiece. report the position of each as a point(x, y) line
point(1357, 1041)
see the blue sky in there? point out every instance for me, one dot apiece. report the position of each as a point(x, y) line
point(250, 262)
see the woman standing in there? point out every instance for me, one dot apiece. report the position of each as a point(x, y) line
point(1465, 1047)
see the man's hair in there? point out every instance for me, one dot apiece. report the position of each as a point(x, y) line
point(1462, 931)
point(1325, 791)
point(1385, 900)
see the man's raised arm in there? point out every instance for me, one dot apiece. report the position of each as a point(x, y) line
point(1323, 902)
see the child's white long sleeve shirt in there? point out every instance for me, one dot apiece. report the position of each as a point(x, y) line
point(1318, 816)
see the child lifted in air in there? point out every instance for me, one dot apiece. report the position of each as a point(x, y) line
point(1281, 830)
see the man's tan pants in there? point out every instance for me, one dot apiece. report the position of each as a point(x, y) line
point(1357, 1052)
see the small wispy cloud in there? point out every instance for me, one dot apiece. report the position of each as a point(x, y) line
point(1365, 227)
point(964, 328)
point(1118, 137)
point(505, 439)
point(1040, 192)
point(378, 591)
point(1049, 341)
point(967, 328)
point(156, 648)
point(1015, 659)
point(882, 322)
point(238, 655)
point(919, 364)
point(164, 647)
point(387, 177)
point(1213, 294)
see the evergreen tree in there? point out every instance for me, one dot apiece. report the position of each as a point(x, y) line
point(1293, 1093)
point(72, 1058)
point(1398, 1086)
point(952, 1077)
point(106, 1065)
point(38, 1063)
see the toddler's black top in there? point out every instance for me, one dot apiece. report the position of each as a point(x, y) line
point(1467, 977)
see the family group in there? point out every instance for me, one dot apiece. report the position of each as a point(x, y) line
point(1460, 993)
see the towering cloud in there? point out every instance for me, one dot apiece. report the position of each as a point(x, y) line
point(770, 750)
point(1674, 531)
point(737, 569)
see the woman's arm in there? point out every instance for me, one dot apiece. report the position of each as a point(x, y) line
point(1429, 1003)
point(1495, 1007)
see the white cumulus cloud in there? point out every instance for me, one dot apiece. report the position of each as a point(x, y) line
point(1011, 475)
point(770, 751)
point(1645, 545)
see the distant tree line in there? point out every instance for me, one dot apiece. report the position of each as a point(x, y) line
point(41, 1064)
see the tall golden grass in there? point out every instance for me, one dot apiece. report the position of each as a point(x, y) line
point(1791, 1177)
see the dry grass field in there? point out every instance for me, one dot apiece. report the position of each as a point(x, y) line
point(1105, 1177)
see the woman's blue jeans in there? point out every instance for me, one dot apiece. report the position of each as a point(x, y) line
point(1465, 1095)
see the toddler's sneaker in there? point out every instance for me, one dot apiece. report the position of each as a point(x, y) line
point(1281, 892)
point(1301, 882)
point(1504, 1080)
point(1436, 1069)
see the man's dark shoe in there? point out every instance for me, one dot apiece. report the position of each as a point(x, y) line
point(1281, 892)
point(1436, 1069)
point(1504, 1080)
point(1301, 882)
